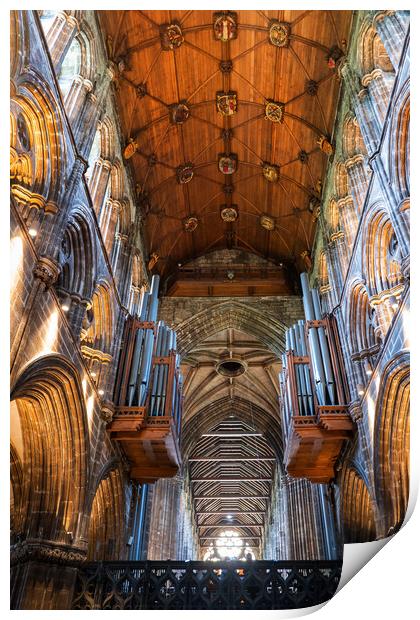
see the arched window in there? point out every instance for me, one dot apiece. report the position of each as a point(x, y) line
point(137, 284)
point(229, 546)
point(364, 332)
point(383, 267)
point(100, 171)
point(47, 19)
point(96, 335)
point(377, 72)
point(94, 155)
point(70, 67)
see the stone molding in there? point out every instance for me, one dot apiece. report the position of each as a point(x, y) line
point(46, 551)
point(47, 270)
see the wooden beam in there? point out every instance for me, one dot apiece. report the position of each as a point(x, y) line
point(250, 546)
point(223, 527)
point(227, 512)
point(237, 479)
point(230, 460)
point(233, 435)
point(231, 497)
point(241, 537)
point(150, 472)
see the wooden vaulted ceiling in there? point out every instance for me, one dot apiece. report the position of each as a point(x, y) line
point(151, 79)
point(231, 434)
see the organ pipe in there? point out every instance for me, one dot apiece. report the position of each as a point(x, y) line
point(307, 363)
point(318, 367)
point(154, 367)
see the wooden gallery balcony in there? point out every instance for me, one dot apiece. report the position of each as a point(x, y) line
point(316, 432)
point(149, 434)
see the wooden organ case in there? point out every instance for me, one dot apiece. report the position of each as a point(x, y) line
point(315, 395)
point(148, 395)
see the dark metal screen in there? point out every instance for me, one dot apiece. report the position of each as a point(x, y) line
point(205, 585)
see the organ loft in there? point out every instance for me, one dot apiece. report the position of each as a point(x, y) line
point(210, 292)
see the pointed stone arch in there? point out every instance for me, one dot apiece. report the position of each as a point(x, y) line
point(78, 255)
point(37, 149)
point(231, 314)
point(50, 402)
point(106, 539)
point(391, 448)
point(356, 507)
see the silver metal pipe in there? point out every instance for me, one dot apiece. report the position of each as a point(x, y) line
point(137, 351)
point(154, 290)
point(325, 350)
point(145, 366)
point(161, 371)
point(319, 374)
point(307, 376)
point(300, 369)
point(154, 391)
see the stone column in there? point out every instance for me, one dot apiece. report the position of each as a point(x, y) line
point(45, 271)
point(53, 227)
point(358, 180)
point(311, 535)
point(99, 182)
point(349, 222)
point(60, 36)
point(91, 114)
point(392, 27)
point(337, 241)
point(43, 574)
point(379, 85)
point(363, 109)
point(76, 97)
point(164, 519)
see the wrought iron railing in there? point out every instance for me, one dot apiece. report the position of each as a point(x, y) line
point(205, 585)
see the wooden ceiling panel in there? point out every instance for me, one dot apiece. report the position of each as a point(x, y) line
point(251, 67)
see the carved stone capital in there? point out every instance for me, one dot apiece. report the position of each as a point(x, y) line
point(405, 268)
point(353, 161)
point(46, 551)
point(47, 270)
point(107, 411)
point(381, 15)
point(355, 411)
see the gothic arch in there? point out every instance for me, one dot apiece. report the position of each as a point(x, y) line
point(77, 256)
point(353, 143)
point(392, 444)
point(79, 62)
point(360, 320)
point(16, 491)
point(231, 314)
point(341, 187)
point(37, 149)
point(99, 333)
point(106, 539)
point(117, 180)
point(356, 507)
point(371, 51)
point(107, 138)
point(377, 71)
point(18, 42)
point(399, 145)
point(138, 281)
point(323, 275)
point(382, 257)
point(50, 403)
